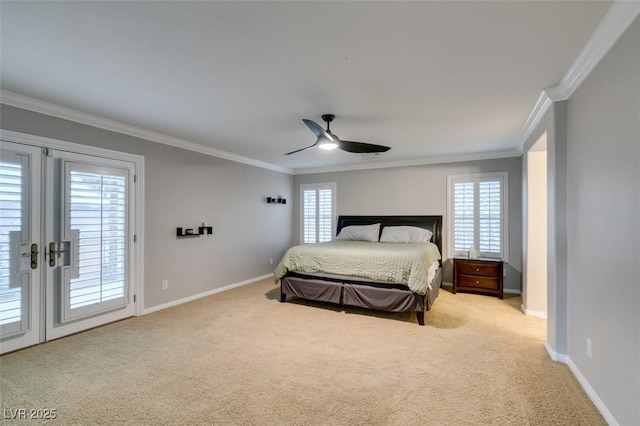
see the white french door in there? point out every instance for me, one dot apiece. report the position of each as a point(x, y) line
point(74, 214)
point(88, 201)
point(20, 236)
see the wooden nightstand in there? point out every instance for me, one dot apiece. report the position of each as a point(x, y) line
point(478, 276)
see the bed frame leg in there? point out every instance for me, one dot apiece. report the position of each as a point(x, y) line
point(420, 316)
point(283, 296)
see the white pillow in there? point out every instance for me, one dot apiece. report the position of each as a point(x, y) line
point(360, 233)
point(405, 234)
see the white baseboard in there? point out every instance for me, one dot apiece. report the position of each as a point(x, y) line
point(205, 294)
point(565, 359)
point(555, 355)
point(592, 394)
point(506, 290)
point(537, 314)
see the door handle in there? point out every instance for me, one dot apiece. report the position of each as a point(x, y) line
point(53, 254)
point(34, 256)
point(65, 253)
point(55, 251)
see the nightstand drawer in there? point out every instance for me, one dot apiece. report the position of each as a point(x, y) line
point(488, 269)
point(478, 282)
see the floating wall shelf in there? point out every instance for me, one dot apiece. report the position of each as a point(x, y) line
point(276, 200)
point(190, 232)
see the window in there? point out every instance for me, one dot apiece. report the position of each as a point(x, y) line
point(317, 212)
point(478, 214)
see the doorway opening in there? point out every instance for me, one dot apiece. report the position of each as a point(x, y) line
point(535, 264)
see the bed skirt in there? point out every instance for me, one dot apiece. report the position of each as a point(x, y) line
point(346, 291)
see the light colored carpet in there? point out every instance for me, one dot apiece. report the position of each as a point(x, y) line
point(242, 357)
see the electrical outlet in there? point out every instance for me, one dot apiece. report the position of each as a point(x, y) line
point(271, 261)
point(165, 284)
point(589, 348)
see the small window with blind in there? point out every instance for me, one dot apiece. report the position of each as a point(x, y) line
point(317, 212)
point(478, 214)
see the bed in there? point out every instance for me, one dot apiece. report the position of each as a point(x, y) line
point(389, 276)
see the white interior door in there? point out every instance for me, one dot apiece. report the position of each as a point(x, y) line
point(89, 237)
point(20, 260)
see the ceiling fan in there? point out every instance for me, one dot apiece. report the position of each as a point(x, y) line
point(327, 140)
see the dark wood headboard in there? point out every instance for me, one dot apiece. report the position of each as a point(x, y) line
point(432, 223)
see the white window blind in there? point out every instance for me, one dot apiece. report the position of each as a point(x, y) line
point(318, 212)
point(477, 212)
point(11, 222)
point(309, 216)
point(98, 212)
point(490, 216)
point(463, 215)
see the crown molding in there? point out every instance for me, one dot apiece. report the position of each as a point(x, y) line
point(541, 107)
point(414, 162)
point(620, 15)
point(36, 105)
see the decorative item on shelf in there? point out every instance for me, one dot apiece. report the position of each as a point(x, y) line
point(276, 200)
point(473, 254)
point(190, 232)
point(205, 229)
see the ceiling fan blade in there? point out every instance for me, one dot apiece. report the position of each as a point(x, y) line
point(302, 149)
point(317, 130)
point(361, 147)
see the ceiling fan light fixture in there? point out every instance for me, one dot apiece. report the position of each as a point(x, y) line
point(327, 145)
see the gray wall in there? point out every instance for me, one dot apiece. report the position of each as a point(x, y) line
point(421, 190)
point(183, 189)
point(603, 178)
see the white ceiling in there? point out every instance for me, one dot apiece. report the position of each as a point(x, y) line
point(429, 79)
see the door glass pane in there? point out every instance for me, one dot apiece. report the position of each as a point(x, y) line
point(11, 224)
point(97, 210)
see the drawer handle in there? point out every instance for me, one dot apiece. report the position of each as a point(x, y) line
point(477, 282)
point(477, 269)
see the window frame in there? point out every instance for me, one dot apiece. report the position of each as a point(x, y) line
point(475, 178)
point(317, 186)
